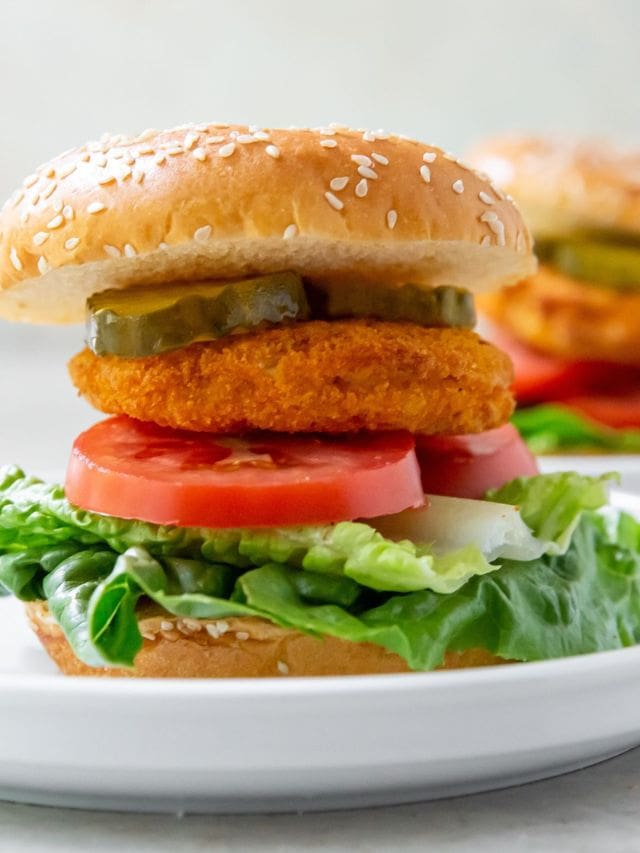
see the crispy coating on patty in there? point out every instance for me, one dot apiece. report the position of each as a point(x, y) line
point(568, 318)
point(311, 377)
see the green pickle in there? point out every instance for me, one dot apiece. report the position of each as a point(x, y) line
point(602, 262)
point(438, 306)
point(144, 321)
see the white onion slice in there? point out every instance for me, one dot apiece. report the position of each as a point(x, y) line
point(447, 524)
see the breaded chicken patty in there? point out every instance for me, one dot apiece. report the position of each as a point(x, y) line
point(570, 319)
point(311, 377)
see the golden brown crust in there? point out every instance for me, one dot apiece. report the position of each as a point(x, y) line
point(564, 184)
point(235, 648)
point(210, 201)
point(569, 319)
point(341, 376)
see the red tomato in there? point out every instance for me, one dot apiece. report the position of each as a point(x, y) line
point(131, 469)
point(619, 411)
point(466, 466)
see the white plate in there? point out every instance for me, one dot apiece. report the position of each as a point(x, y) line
point(278, 744)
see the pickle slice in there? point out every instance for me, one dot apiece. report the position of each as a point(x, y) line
point(606, 263)
point(143, 321)
point(439, 306)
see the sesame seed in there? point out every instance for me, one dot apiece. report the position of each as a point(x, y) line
point(457, 186)
point(125, 173)
point(495, 224)
point(429, 156)
point(71, 243)
point(57, 206)
point(369, 136)
point(163, 245)
point(202, 234)
point(392, 218)
point(166, 626)
point(147, 635)
point(112, 251)
point(24, 217)
point(380, 158)
point(425, 173)
point(43, 265)
point(227, 150)
point(106, 179)
point(20, 195)
point(190, 140)
point(242, 635)
point(173, 152)
point(328, 143)
point(49, 172)
point(160, 158)
point(485, 197)
point(222, 626)
point(199, 154)
point(261, 135)
point(362, 160)
point(67, 170)
point(246, 138)
point(212, 140)
point(129, 160)
point(283, 669)
point(30, 181)
point(449, 156)
point(143, 150)
point(129, 250)
point(138, 176)
point(85, 157)
point(96, 207)
point(35, 198)
point(212, 630)
point(100, 160)
point(366, 172)
point(486, 240)
point(40, 237)
point(334, 201)
point(56, 222)
point(16, 263)
point(339, 183)
point(290, 231)
point(192, 625)
point(362, 188)
point(272, 151)
point(46, 192)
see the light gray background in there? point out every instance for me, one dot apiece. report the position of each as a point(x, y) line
point(446, 71)
point(449, 71)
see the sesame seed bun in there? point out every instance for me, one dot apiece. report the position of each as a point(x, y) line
point(218, 201)
point(235, 648)
point(563, 185)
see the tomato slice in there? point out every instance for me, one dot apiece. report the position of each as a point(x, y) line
point(467, 466)
point(130, 469)
point(620, 411)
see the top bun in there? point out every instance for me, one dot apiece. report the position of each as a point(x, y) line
point(563, 185)
point(217, 201)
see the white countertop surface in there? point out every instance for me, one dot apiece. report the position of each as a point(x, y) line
point(597, 809)
point(592, 811)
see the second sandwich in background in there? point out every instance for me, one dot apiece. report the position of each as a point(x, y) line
point(573, 329)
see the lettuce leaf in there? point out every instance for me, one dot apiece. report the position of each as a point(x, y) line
point(583, 601)
point(553, 428)
point(582, 596)
point(551, 504)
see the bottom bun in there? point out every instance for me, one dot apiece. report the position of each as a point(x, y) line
point(247, 647)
